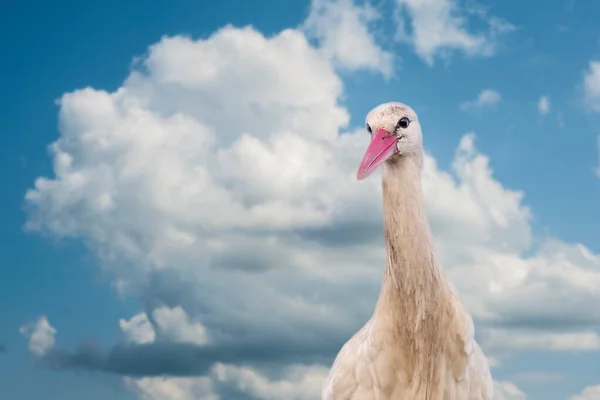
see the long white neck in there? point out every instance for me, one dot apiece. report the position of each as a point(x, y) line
point(411, 268)
point(415, 307)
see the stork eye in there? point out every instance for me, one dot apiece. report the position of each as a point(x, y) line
point(403, 123)
point(369, 129)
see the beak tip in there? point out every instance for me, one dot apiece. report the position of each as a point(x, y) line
point(381, 147)
point(363, 174)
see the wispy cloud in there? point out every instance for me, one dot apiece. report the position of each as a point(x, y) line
point(544, 105)
point(439, 27)
point(487, 98)
point(591, 86)
point(342, 27)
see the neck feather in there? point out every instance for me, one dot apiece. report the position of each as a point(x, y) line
point(415, 309)
point(411, 268)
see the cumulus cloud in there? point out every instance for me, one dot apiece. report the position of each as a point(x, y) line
point(173, 388)
point(225, 200)
point(298, 382)
point(167, 323)
point(223, 208)
point(544, 105)
point(589, 393)
point(138, 329)
point(591, 86)
point(436, 28)
point(342, 28)
point(41, 336)
point(487, 98)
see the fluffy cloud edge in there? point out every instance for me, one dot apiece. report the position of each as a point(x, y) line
point(487, 98)
point(438, 29)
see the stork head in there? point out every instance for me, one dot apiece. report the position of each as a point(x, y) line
point(395, 132)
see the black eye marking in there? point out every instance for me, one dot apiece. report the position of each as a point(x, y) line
point(403, 123)
point(369, 129)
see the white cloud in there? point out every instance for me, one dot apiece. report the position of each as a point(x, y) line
point(486, 98)
point(41, 336)
point(172, 324)
point(298, 382)
point(176, 325)
point(342, 28)
point(544, 105)
point(532, 340)
point(439, 27)
point(138, 329)
point(226, 199)
point(504, 390)
point(173, 388)
point(591, 86)
point(589, 393)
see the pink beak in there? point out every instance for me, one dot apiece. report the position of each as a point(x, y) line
point(382, 147)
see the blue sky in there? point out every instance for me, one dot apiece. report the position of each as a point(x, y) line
point(66, 267)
